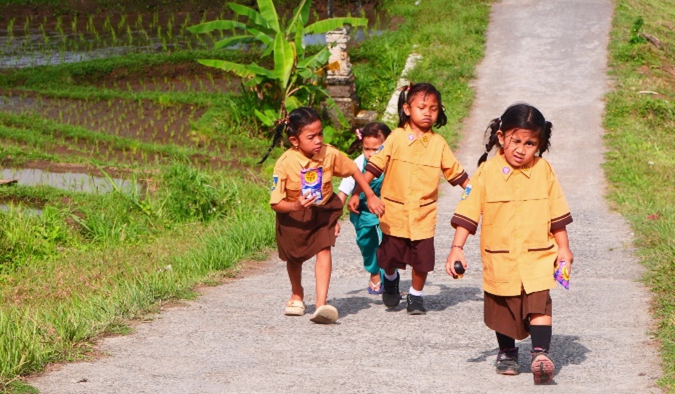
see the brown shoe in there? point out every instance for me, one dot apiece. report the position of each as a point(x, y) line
point(507, 362)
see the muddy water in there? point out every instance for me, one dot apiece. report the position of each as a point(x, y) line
point(67, 181)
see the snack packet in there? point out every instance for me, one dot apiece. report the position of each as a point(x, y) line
point(311, 181)
point(562, 274)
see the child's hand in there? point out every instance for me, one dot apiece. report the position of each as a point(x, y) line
point(353, 204)
point(375, 206)
point(456, 254)
point(305, 201)
point(337, 229)
point(564, 253)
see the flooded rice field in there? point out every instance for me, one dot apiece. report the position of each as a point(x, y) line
point(70, 181)
point(139, 119)
point(27, 41)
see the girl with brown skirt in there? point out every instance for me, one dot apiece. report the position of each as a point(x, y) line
point(307, 209)
point(523, 236)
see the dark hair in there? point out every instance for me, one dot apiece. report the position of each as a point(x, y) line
point(519, 116)
point(373, 129)
point(293, 124)
point(407, 95)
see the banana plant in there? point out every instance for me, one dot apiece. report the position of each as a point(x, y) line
point(296, 78)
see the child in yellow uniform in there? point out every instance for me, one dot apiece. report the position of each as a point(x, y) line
point(523, 236)
point(307, 224)
point(414, 157)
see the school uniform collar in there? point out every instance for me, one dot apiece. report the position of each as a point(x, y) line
point(304, 160)
point(410, 135)
point(507, 169)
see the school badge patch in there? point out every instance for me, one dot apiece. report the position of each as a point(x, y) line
point(466, 193)
point(275, 181)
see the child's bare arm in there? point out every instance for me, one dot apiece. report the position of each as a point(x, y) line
point(375, 206)
point(457, 251)
point(343, 197)
point(564, 251)
point(301, 203)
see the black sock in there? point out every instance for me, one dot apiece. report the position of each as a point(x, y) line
point(505, 342)
point(541, 337)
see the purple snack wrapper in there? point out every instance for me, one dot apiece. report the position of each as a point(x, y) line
point(311, 181)
point(562, 274)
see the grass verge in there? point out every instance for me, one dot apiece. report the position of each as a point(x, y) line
point(640, 119)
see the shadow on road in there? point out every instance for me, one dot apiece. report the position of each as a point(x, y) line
point(450, 296)
point(565, 350)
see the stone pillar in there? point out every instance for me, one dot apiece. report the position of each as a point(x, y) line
point(340, 81)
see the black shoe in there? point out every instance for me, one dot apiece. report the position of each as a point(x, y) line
point(507, 362)
point(416, 305)
point(391, 296)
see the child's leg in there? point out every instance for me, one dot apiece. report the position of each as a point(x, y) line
point(541, 364)
point(322, 272)
point(541, 331)
point(507, 358)
point(295, 275)
point(368, 239)
point(418, 279)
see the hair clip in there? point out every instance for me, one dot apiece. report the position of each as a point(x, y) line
point(358, 134)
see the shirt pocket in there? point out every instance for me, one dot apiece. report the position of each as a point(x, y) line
point(427, 215)
point(536, 218)
point(497, 264)
point(393, 212)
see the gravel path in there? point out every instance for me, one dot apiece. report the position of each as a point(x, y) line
point(235, 339)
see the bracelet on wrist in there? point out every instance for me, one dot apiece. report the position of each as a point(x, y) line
point(458, 246)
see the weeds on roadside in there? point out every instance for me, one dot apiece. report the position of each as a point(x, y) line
point(639, 120)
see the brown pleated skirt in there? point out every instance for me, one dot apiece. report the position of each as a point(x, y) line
point(303, 234)
point(510, 315)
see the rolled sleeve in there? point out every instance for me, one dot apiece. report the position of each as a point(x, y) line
point(468, 211)
point(560, 210)
point(452, 170)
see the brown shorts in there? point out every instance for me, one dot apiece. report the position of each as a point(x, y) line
point(303, 234)
point(510, 315)
point(395, 252)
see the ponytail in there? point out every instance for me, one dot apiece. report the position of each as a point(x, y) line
point(492, 140)
point(357, 142)
point(293, 124)
point(278, 133)
point(403, 99)
point(545, 138)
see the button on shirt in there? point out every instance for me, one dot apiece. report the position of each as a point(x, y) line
point(410, 189)
point(286, 179)
point(520, 209)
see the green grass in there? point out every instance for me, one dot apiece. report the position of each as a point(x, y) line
point(94, 261)
point(640, 166)
point(450, 36)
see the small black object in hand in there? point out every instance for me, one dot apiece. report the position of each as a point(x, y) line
point(459, 268)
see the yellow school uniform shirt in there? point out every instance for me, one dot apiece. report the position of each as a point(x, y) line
point(410, 186)
point(520, 208)
point(286, 179)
